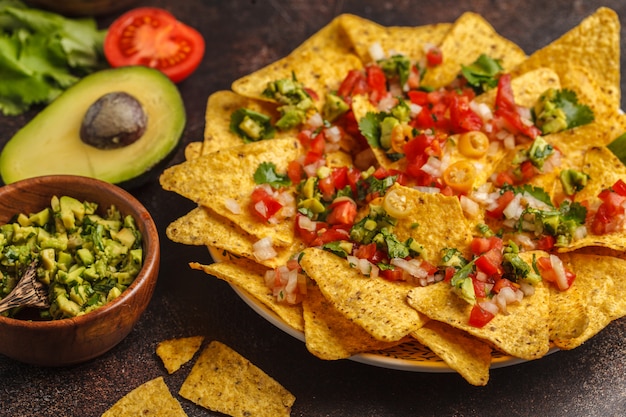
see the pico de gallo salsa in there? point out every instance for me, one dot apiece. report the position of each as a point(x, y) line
point(413, 126)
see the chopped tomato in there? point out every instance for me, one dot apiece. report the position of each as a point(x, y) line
point(503, 178)
point(507, 110)
point(264, 204)
point(342, 212)
point(295, 172)
point(152, 37)
point(503, 283)
point(331, 234)
point(490, 262)
point(546, 243)
point(377, 82)
point(479, 317)
point(479, 288)
point(462, 117)
point(480, 245)
point(395, 274)
point(502, 201)
point(354, 83)
point(563, 279)
point(611, 208)
point(434, 56)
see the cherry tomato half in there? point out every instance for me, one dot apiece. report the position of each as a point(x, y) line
point(152, 37)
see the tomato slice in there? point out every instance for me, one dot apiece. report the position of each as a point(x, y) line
point(152, 37)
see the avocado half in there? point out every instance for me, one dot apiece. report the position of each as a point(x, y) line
point(50, 143)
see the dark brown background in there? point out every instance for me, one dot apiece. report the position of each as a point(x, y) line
point(241, 36)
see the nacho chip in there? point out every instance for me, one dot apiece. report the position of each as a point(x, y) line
point(152, 398)
point(250, 278)
point(593, 44)
point(377, 305)
point(227, 176)
point(527, 87)
point(220, 107)
point(422, 220)
point(568, 315)
point(470, 36)
point(309, 63)
point(522, 333)
point(193, 150)
point(602, 281)
point(470, 357)
point(408, 41)
point(203, 227)
point(329, 334)
point(176, 352)
point(224, 381)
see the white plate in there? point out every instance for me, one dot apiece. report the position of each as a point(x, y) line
point(410, 356)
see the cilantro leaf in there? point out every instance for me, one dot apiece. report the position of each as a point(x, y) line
point(266, 174)
point(577, 114)
point(482, 74)
point(369, 126)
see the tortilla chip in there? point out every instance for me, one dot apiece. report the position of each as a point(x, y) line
point(152, 398)
point(424, 221)
point(309, 63)
point(593, 44)
point(228, 175)
point(193, 150)
point(203, 227)
point(604, 169)
point(408, 41)
point(568, 316)
point(250, 278)
point(470, 357)
point(602, 281)
point(220, 107)
point(377, 305)
point(522, 333)
point(527, 88)
point(224, 381)
point(470, 36)
point(582, 81)
point(329, 334)
point(176, 352)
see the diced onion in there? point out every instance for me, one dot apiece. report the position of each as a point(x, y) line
point(232, 205)
point(559, 272)
point(263, 249)
point(376, 51)
point(469, 206)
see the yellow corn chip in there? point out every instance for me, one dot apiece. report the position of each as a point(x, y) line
point(227, 177)
point(602, 282)
point(522, 333)
point(594, 44)
point(152, 398)
point(465, 354)
point(329, 334)
point(176, 352)
point(470, 36)
point(250, 278)
point(377, 305)
point(224, 381)
point(310, 64)
point(408, 41)
point(203, 227)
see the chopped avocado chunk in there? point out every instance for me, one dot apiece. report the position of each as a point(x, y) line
point(386, 131)
point(573, 181)
point(296, 102)
point(27, 154)
point(334, 107)
point(557, 110)
point(251, 126)
point(72, 211)
point(618, 147)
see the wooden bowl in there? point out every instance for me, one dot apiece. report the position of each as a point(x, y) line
point(74, 340)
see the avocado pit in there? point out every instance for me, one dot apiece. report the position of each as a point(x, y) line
point(115, 120)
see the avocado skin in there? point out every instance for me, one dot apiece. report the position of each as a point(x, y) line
point(50, 143)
